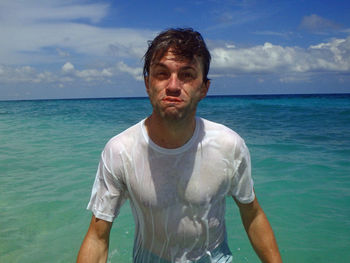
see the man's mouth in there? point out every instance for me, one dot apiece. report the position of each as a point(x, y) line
point(172, 99)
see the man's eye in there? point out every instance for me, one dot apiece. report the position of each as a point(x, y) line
point(187, 76)
point(161, 74)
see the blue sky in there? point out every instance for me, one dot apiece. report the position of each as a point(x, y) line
point(83, 49)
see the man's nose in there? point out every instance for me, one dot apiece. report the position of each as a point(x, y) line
point(174, 85)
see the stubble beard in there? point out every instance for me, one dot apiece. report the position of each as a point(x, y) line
point(174, 114)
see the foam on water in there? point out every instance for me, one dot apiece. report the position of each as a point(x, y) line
point(300, 149)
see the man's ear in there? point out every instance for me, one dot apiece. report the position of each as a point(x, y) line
point(205, 88)
point(145, 79)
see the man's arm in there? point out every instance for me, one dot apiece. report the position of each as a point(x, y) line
point(95, 245)
point(259, 232)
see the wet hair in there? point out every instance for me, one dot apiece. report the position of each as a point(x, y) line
point(185, 44)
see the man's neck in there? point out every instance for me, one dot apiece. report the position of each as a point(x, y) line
point(170, 134)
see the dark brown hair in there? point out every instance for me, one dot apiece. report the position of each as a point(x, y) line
point(185, 43)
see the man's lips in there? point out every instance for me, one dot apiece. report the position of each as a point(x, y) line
point(172, 99)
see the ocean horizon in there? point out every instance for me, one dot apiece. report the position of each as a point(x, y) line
point(277, 95)
point(300, 149)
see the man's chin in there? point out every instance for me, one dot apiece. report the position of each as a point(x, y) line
point(174, 113)
point(173, 116)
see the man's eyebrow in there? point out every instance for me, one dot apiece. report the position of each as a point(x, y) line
point(158, 64)
point(188, 67)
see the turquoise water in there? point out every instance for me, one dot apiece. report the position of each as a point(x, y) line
point(300, 147)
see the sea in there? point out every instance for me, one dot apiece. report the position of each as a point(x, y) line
point(300, 149)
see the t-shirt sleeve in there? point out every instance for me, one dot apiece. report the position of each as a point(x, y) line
point(108, 191)
point(242, 183)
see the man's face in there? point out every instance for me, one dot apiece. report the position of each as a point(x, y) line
point(175, 86)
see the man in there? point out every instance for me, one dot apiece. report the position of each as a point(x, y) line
point(176, 169)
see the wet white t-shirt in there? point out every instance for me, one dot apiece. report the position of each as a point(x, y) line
point(177, 195)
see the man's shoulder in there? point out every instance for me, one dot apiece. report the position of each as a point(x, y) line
point(220, 134)
point(219, 129)
point(125, 138)
point(223, 139)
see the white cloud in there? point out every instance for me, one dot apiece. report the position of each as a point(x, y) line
point(62, 53)
point(45, 77)
point(107, 72)
point(264, 58)
point(19, 12)
point(68, 67)
point(21, 45)
point(68, 73)
point(318, 24)
point(273, 33)
point(24, 74)
point(135, 72)
point(31, 29)
point(333, 56)
point(290, 64)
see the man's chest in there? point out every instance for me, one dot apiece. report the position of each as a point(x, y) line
point(162, 182)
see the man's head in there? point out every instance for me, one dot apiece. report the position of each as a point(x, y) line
point(185, 43)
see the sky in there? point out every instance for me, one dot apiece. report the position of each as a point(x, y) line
point(94, 49)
